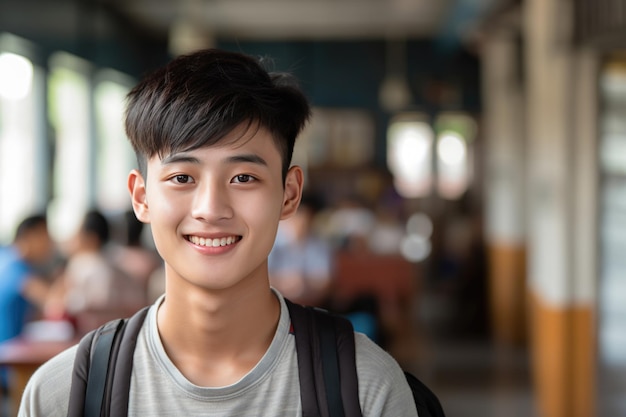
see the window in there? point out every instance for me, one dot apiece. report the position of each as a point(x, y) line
point(409, 150)
point(421, 158)
point(23, 167)
point(115, 156)
point(70, 117)
point(455, 132)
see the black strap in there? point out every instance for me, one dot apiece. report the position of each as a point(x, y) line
point(96, 389)
point(98, 370)
point(330, 365)
point(120, 386)
point(326, 358)
point(426, 401)
point(307, 364)
point(346, 352)
point(79, 376)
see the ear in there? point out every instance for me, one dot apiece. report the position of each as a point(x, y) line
point(137, 189)
point(294, 183)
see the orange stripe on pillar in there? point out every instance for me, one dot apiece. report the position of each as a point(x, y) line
point(563, 343)
point(507, 293)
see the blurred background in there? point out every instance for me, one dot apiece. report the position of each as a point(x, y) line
point(466, 159)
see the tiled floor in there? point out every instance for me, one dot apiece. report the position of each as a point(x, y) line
point(472, 379)
point(612, 389)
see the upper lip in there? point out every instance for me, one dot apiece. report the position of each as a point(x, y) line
point(212, 235)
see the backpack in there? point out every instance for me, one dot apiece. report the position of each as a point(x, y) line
point(326, 365)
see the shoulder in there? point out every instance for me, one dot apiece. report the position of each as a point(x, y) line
point(383, 388)
point(373, 360)
point(11, 264)
point(47, 392)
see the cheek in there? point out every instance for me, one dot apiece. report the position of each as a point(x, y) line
point(263, 210)
point(164, 214)
point(162, 205)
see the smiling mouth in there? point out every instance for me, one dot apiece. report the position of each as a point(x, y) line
point(213, 243)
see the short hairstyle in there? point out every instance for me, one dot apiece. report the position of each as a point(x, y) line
point(30, 223)
point(197, 99)
point(96, 224)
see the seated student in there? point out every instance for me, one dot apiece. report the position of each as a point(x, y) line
point(93, 290)
point(129, 253)
point(301, 261)
point(22, 290)
point(214, 134)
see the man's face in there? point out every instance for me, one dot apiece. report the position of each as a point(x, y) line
point(40, 245)
point(214, 211)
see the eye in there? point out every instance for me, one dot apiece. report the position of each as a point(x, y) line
point(182, 179)
point(243, 178)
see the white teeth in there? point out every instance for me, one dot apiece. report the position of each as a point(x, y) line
point(212, 242)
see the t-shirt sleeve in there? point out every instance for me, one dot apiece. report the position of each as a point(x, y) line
point(383, 389)
point(48, 390)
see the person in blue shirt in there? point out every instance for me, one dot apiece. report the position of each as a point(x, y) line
point(21, 288)
point(301, 261)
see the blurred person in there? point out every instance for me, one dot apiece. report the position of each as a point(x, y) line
point(92, 290)
point(214, 133)
point(23, 290)
point(386, 234)
point(301, 261)
point(131, 255)
point(350, 224)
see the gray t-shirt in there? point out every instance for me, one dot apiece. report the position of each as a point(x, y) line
point(271, 388)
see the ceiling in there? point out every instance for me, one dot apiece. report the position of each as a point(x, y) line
point(305, 19)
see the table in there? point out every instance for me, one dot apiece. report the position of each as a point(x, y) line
point(23, 357)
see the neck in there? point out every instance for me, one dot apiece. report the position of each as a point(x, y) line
point(216, 337)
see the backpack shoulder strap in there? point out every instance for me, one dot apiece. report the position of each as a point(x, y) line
point(79, 376)
point(92, 379)
point(326, 363)
point(120, 387)
point(426, 401)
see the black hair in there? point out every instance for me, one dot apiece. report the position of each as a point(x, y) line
point(30, 223)
point(197, 99)
point(134, 228)
point(95, 223)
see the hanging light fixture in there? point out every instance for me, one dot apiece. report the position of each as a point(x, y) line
point(394, 93)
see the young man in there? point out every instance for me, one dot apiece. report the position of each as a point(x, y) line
point(214, 134)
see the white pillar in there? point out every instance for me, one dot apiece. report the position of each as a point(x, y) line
point(549, 94)
point(504, 126)
point(561, 139)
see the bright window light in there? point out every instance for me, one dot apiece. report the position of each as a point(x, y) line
point(115, 157)
point(409, 148)
point(21, 166)
point(451, 148)
point(70, 109)
point(16, 76)
point(455, 133)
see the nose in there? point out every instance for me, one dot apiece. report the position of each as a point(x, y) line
point(211, 203)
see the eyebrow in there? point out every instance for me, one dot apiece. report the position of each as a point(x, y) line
point(246, 158)
point(178, 158)
point(249, 157)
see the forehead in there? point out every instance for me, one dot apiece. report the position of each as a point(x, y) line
point(243, 139)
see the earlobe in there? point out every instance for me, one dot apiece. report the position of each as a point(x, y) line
point(137, 189)
point(294, 183)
